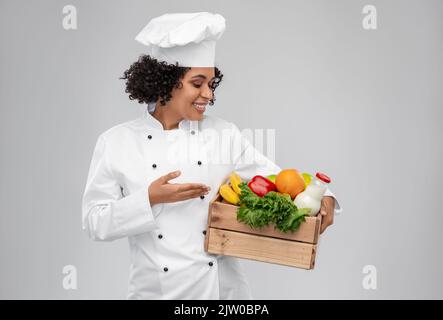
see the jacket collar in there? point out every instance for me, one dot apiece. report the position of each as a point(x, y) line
point(186, 125)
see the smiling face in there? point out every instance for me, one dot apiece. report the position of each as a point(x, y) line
point(191, 99)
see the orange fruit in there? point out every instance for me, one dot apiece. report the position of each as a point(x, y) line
point(290, 181)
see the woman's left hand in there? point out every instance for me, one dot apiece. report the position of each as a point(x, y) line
point(327, 212)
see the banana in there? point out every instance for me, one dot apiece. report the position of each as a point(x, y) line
point(228, 194)
point(235, 180)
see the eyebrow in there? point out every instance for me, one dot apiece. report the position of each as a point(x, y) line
point(200, 76)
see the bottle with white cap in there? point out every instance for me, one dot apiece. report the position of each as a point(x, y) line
point(313, 194)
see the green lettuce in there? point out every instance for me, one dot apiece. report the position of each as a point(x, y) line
point(273, 207)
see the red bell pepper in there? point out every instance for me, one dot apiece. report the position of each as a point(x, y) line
point(261, 185)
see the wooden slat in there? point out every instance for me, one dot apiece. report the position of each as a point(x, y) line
point(224, 216)
point(265, 249)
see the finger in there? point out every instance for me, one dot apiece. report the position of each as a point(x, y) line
point(328, 202)
point(191, 194)
point(323, 207)
point(170, 176)
point(195, 192)
point(323, 227)
point(183, 187)
point(325, 223)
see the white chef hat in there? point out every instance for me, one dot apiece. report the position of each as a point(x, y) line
point(186, 38)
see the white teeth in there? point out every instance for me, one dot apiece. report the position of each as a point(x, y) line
point(199, 106)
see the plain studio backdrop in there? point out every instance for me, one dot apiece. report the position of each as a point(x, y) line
point(363, 106)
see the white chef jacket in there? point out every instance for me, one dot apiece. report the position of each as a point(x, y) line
point(166, 241)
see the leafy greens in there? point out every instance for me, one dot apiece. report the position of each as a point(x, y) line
point(273, 207)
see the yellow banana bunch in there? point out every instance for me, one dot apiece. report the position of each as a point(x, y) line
point(228, 194)
point(235, 180)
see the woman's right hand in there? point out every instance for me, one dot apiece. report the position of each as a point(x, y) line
point(161, 191)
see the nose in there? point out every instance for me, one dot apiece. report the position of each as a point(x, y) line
point(207, 93)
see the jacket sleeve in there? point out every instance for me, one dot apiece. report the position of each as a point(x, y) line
point(248, 162)
point(107, 214)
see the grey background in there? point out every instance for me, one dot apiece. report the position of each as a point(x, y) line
point(363, 106)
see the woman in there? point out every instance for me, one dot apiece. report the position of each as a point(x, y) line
point(151, 179)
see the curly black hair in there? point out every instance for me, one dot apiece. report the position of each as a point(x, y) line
point(148, 79)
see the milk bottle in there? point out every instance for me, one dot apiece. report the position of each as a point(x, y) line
point(313, 194)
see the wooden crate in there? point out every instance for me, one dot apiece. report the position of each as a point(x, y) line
point(226, 236)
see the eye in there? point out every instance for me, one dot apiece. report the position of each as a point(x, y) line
point(197, 85)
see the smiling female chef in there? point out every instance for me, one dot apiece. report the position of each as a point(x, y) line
point(151, 179)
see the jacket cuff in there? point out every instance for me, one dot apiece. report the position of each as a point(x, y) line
point(135, 213)
point(337, 209)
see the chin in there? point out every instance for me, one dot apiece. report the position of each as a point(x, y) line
point(196, 117)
